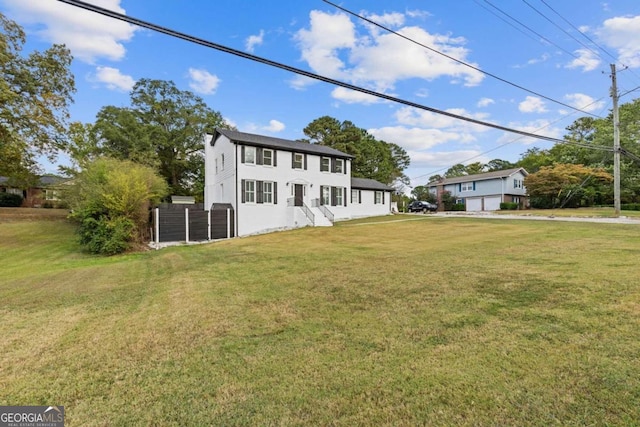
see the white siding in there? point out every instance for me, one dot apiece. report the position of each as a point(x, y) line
point(366, 205)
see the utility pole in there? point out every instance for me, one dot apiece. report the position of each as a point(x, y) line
point(616, 142)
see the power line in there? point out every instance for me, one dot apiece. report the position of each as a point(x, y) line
point(222, 48)
point(567, 142)
point(535, 32)
point(452, 58)
point(578, 30)
point(560, 28)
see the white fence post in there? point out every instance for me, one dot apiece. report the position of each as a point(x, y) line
point(157, 228)
point(186, 224)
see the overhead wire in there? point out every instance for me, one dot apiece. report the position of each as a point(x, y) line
point(536, 33)
point(609, 54)
point(560, 28)
point(601, 148)
point(372, 22)
point(245, 55)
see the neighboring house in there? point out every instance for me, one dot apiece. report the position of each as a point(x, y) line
point(45, 193)
point(485, 191)
point(274, 184)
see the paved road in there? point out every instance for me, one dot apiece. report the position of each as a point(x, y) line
point(489, 215)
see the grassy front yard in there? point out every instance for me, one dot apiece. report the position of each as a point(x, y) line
point(423, 321)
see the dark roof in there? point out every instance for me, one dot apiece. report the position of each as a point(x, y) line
point(278, 143)
point(478, 177)
point(43, 181)
point(369, 184)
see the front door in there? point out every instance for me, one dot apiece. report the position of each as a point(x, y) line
point(298, 192)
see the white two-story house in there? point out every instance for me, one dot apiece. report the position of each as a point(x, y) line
point(485, 191)
point(273, 184)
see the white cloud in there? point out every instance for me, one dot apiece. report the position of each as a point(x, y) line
point(485, 102)
point(88, 35)
point(532, 104)
point(274, 126)
point(113, 79)
point(586, 59)
point(301, 82)
point(253, 41)
point(623, 34)
point(415, 138)
point(230, 122)
point(415, 117)
point(353, 97)
point(333, 47)
point(320, 44)
point(202, 81)
point(539, 127)
point(443, 159)
point(584, 102)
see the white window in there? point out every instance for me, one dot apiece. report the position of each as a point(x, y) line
point(267, 157)
point(325, 164)
point(298, 161)
point(354, 196)
point(250, 155)
point(249, 191)
point(378, 198)
point(267, 192)
point(466, 186)
point(326, 195)
point(338, 193)
point(517, 183)
point(51, 195)
point(339, 166)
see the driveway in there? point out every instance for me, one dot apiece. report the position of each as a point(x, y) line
point(490, 215)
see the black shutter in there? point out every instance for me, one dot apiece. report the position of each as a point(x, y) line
point(375, 200)
point(344, 195)
point(359, 196)
point(274, 158)
point(293, 160)
point(275, 193)
point(242, 155)
point(333, 196)
point(321, 195)
point(259, 192)
point(333, 165)
point(344, 166)
point(259, 156)
point(305, 162)
point(383, 197)
point(242, 185)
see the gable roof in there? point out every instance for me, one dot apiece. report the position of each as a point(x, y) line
point(278, 143)
point(479, 177)
point(369, 184)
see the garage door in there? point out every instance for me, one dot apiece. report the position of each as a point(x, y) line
point(492, 203)
point(474, 204)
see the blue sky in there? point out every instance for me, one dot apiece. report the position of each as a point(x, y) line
point(553, 59)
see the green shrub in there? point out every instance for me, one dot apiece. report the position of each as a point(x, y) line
point(8, 200)
point(630, 207)
point(106, 236)
point(458, 207)
point(508, 206)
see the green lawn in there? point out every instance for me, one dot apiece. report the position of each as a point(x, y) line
point(406, 320)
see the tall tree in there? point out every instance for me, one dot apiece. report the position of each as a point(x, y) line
point(534, 158)
point(568, 185)
point(35, 93)
point(499, 165)
point(164, 128)
point(456, 170)
point(375, 159)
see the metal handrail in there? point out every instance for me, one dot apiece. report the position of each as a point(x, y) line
point(326, 212)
